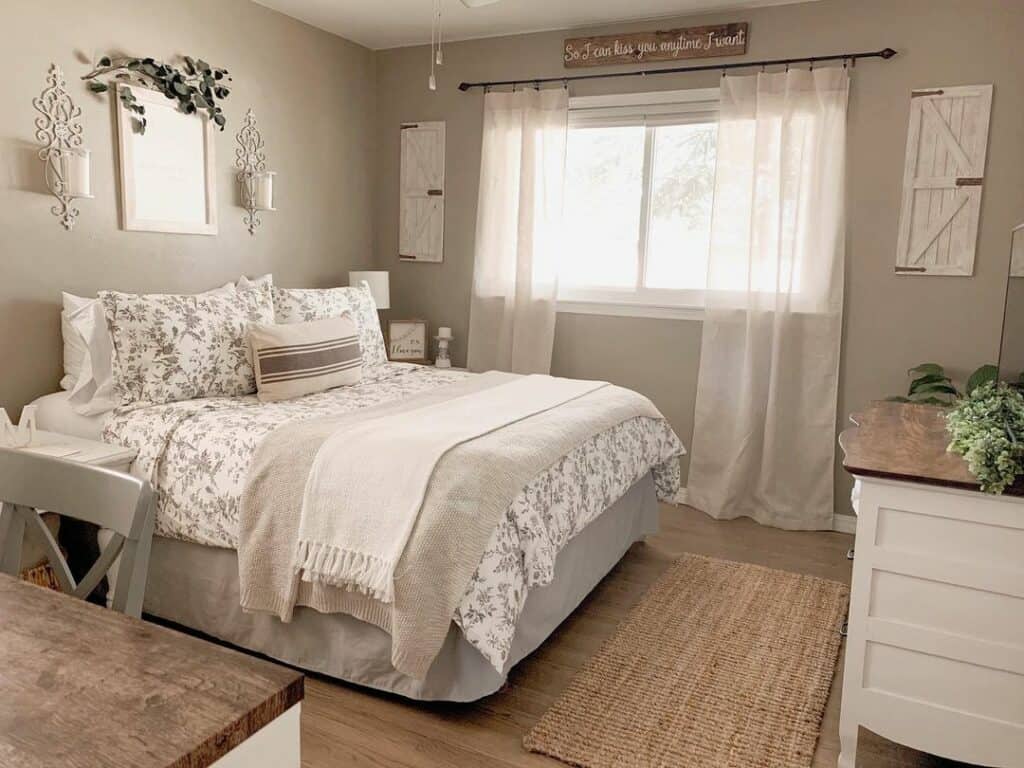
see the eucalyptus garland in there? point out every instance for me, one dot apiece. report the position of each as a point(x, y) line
point(988, 428)
point(196, 86)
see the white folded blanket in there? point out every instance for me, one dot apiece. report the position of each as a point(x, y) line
point(368, 482)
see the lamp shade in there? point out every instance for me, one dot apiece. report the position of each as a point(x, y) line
point(380, 285)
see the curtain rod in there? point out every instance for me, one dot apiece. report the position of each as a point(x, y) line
point(885, 53)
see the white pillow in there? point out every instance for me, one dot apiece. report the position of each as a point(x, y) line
point(93, 393)
point(246, 282)
point(75, 348)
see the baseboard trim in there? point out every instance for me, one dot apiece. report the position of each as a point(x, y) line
point(840, 523)
point(844, 523)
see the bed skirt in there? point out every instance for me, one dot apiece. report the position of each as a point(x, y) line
point(197, 587)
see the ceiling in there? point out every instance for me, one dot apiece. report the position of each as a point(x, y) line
point(395, 23)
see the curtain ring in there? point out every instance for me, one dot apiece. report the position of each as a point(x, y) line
point(565, 84)
point(536, 85)
point(514, 87)
point(723, 73)
point(763, 68)
point(811, 68)
point(787, 66)
point(844, 62)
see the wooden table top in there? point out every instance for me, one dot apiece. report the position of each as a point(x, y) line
point(905, 441)
point(82, 686)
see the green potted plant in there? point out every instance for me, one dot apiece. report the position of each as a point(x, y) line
point(985, 420)
point(930, 384)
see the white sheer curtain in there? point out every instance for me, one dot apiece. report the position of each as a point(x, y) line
point(518, 231)
point(764, 431)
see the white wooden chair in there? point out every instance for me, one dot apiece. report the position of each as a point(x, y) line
point(113, 500)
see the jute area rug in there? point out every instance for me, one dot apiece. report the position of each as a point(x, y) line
point(720, 665)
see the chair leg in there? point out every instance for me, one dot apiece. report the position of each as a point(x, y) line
point(12, 535)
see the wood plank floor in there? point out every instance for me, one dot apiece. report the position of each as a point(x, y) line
point(347, 726)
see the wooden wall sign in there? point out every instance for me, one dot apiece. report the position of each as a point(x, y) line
point(663, 45)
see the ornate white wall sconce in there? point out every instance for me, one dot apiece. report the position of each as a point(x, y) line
point(60, 133)
point(257, 183)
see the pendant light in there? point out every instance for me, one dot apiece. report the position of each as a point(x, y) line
point(436, 56)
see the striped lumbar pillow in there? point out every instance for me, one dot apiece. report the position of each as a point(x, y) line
point(300, 358)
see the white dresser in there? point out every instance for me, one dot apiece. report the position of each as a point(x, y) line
point(935, 651)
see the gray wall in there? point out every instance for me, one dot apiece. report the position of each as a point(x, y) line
point(314, 97)
point(891, 322)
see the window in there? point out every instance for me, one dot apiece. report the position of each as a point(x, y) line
point(640, 172)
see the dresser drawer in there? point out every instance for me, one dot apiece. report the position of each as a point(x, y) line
point(946, 607)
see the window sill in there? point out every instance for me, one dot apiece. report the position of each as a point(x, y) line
point(629, 309)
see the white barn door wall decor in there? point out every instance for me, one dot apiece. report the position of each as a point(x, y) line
point(421, 209)
point(945, 167)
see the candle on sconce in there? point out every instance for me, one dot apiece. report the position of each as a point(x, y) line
point(68, 173)
point(263, 192)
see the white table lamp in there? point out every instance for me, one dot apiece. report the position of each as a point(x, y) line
point(380, 285)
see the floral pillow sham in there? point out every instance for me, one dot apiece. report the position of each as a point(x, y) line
point(302, 305)
point(180, 347)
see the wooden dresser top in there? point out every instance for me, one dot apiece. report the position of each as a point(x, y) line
point(84, 686)
point(905, 441)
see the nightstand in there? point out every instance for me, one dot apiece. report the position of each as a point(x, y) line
point(79, 449)
point(79, 539)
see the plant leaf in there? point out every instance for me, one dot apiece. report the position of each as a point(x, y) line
point(930, 378)
point(925, 389)
point(97, 87)
point(927, 368)
point(984, 375)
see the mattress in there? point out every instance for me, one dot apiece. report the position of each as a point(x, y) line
point(197, 454)
point(196, 586)
point(55, 414)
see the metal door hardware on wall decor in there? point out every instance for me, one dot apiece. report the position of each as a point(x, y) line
point(255, 181)
point(66, 161)
point(942, 180)
point(421, 204)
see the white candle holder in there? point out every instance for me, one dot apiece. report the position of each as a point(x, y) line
point(444, 339)
point(257, 183)
point(66, 162)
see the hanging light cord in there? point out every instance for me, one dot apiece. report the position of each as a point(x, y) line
point(436, 56)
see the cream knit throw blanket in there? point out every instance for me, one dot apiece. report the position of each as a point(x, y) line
point(368, 480)
point(468, 488)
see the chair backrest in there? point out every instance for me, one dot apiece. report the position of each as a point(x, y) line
point(113, 500)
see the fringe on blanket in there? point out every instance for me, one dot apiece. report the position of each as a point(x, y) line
point(338, 567)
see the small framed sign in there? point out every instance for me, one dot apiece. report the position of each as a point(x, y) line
point(662, 45)
point(407, 341)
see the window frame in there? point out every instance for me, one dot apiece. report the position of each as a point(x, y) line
point(653, 109)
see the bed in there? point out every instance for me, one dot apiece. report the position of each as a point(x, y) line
point(560, 536)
